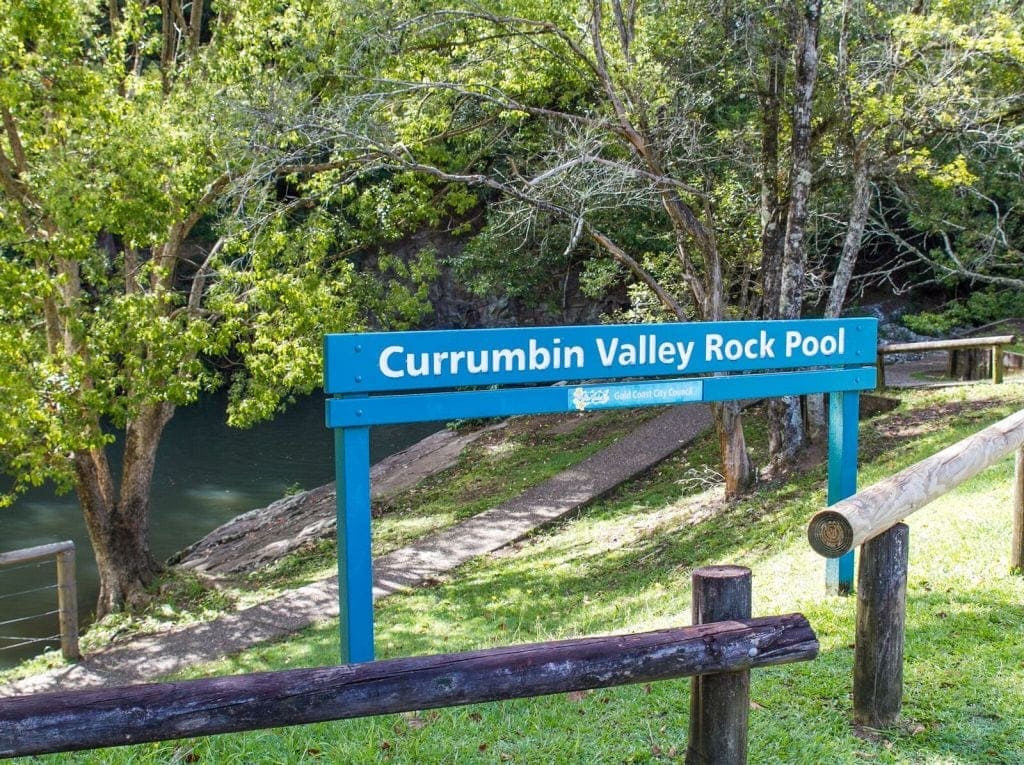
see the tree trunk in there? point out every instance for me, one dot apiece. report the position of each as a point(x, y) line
point(859, 208)
point(119, 525)
point(771, 205)
point(787, 434)
point(737, 467)
point(860, 204)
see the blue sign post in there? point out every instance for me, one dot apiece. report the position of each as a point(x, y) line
point(398, 377)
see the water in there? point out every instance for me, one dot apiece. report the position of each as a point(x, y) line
point(206, 473)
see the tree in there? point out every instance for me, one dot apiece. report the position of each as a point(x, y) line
point(573, 123)
point(120, 289)
point(784, 247)
point(927, 142)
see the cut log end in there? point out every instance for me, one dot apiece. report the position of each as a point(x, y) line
point(725, 571)
point(830, 534)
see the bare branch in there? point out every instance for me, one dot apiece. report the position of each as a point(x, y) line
point(210, 195)
point(195, 295)
point(14, 139)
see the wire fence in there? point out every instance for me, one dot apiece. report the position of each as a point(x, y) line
point(62, 556)
point(11, 568)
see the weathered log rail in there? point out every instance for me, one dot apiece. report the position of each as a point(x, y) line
point(67, 589)
point(70, 721)
point(836, 530)
point(995, 343)
point(871, 518)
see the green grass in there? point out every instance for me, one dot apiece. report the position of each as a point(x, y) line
point(496, 468)
point(499, 466)
point(522, 453)
point(624, 565)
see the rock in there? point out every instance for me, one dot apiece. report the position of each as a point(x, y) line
point(260, 537)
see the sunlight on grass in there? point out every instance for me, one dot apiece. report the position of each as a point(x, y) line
point(625, 564)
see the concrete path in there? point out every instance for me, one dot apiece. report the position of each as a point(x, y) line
point(923, 370)
point(147, 658)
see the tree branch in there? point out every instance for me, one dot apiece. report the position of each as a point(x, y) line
point(14, 139)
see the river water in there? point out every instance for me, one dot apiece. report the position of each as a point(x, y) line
point(206, 473)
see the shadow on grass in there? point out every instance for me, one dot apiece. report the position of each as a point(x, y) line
point(964, 674)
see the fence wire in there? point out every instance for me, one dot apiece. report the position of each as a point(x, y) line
point(27, 618)
point(23, 641)
point(35, 564)
point(13, 642)
point(25, 592)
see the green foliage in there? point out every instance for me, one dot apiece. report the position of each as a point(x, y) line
point(152, 251)
point(179, 214)
point(982, 307)
point(109, 169)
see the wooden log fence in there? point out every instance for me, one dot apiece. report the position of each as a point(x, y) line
point(994, 343)
point(881, 618)
point(872, 519)
point(1017, 536)
point(719, 704)
point(835, 531)
point(76, 720)
point(67, 588)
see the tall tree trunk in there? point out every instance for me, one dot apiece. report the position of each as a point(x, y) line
point(118, 526)
point(771, 197)
point(737, 467)
point(860, 205)
point(787, 434)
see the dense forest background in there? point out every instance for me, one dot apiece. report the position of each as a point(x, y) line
point(193, 193)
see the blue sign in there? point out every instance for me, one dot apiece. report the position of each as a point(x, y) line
point(405, 361)
point(398, 377)
point(360, 411)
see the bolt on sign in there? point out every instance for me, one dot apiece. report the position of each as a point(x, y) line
point(384, 378)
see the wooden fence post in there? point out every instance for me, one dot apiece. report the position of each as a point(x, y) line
point(67, 604)
point(881, 615)
point(719, 704)
point(1017, 542)
point(997, 364)
point(880, 374)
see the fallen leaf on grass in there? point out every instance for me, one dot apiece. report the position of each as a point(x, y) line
point(577, 696)
point(416, 723)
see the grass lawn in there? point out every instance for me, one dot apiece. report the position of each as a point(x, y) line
point(624, 565)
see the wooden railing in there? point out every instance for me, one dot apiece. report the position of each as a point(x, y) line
point(717, 655)
point(995, 343)
point(67, 589)
point(872, 519)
